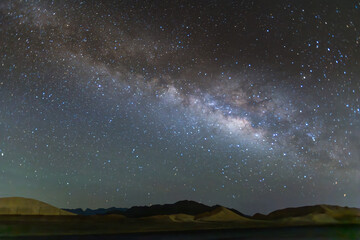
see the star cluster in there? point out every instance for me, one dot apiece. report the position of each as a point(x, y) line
point(252, 105)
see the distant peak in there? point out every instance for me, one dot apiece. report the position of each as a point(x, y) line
point(188, 202)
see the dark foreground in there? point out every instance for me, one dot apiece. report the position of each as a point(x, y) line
point(310, 233)
point(162, 227)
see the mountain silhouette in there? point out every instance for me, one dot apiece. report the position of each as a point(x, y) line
point(185, 207)
point(98, 211)
point(181, 207)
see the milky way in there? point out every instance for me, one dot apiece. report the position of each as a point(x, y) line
point(251, 105)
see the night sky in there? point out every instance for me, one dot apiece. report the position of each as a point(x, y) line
point(248, 104)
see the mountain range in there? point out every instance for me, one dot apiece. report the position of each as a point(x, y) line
point(98, 211)
point(31, 217)
point(190, 211)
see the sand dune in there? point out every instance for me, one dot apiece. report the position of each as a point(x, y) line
point(220, 214)
point(340, 212)
point(335, 214)
point(26, 206)
point(180, 217)
point(318, 214)
point(317, 218)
